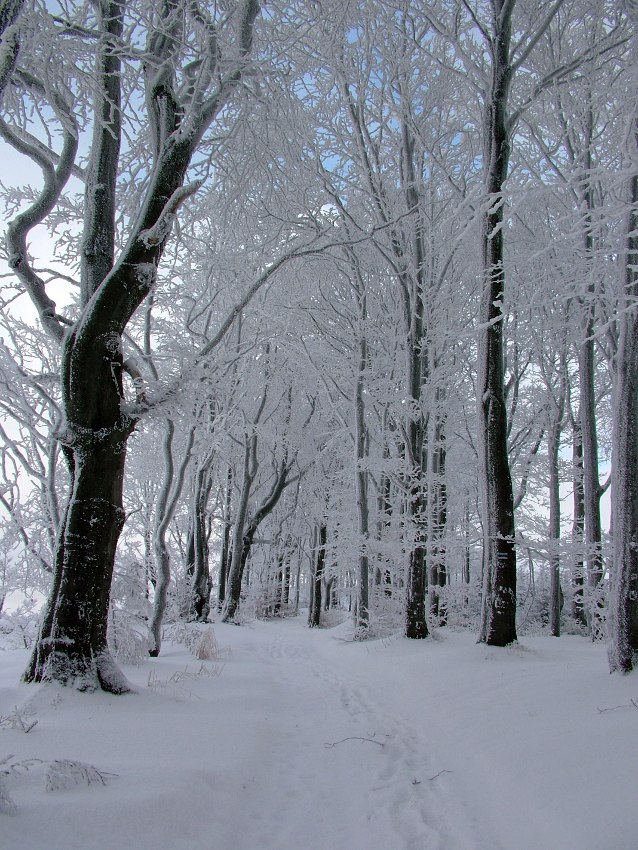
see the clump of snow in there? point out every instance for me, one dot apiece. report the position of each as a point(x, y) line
point(7, 806)
point(308, 739)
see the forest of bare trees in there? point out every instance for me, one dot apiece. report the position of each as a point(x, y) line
point(324, 305)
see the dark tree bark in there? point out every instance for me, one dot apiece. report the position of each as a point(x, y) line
point(413, 291)
point(623, 648)
point(71, 647)
point(201, 579)
point(314, 613)
point(225, 556)
point(498, 613)
point(244, 537)
point(438, 568)
point(555, 595)
point(466, 541)
point(407, 255)
point(578, 525)
point(592, 490)
point(361, 450)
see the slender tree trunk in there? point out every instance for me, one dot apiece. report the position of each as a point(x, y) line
point(244, 532)
point(201, 587)
point(623, 648)
point(314, 614)
point(438, 569)
point(164, 512)
point(416, 579)
point(466, 544)
point(235, 572)
point(587, 373)
point(225, 556)
point(578, 525)
point(591, 481)
point(382, 575)
point(553, 444)
point(361, 476)
point(498, 612)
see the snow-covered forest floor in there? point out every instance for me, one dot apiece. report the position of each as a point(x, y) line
point(297, 739)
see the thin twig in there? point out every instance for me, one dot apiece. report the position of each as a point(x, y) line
point(632, 702)
point(439, 774)
point(328, 745)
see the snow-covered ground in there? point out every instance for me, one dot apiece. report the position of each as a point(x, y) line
point(301, 739)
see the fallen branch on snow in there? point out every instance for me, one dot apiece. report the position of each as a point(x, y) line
point(632, 703)
point(329, 745)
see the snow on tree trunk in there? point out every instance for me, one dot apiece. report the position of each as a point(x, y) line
point(553, 445)
point(498, 613)
point(623, 609)
point(578, 524)
point(361, 475)
point(314, 613)
point(71, 647)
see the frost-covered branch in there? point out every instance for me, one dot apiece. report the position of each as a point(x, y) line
point(159, 232)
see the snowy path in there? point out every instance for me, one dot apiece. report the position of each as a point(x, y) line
point(343, 770)
point(305, 741)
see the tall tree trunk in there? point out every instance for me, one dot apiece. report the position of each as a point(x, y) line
point(361, 474)
point(553, 445)
point(466, 541)
point(164, 512)
point(498, 611)
point(314, 614)
point(382, 575)
point(438, 522)
point(623, 649)
point(408, 264)
point(225, 555)
point(244, 535)
point(71, 646)
point(587, 373)
point(201, 579)
point(413, 288)
point(578, 525)
point(236, 566)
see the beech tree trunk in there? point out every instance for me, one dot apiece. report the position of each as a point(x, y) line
point(361, 475)
point(314, 614)
point(164, 511)
point(201, 579)
point(578, 525)
point(244, 535)
point(413, 293)
point(225, 556)
point(623, 648)
point(438, 520)
point(498, 611)
point(553, 444)
point(71, 647)
point(591, 483)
